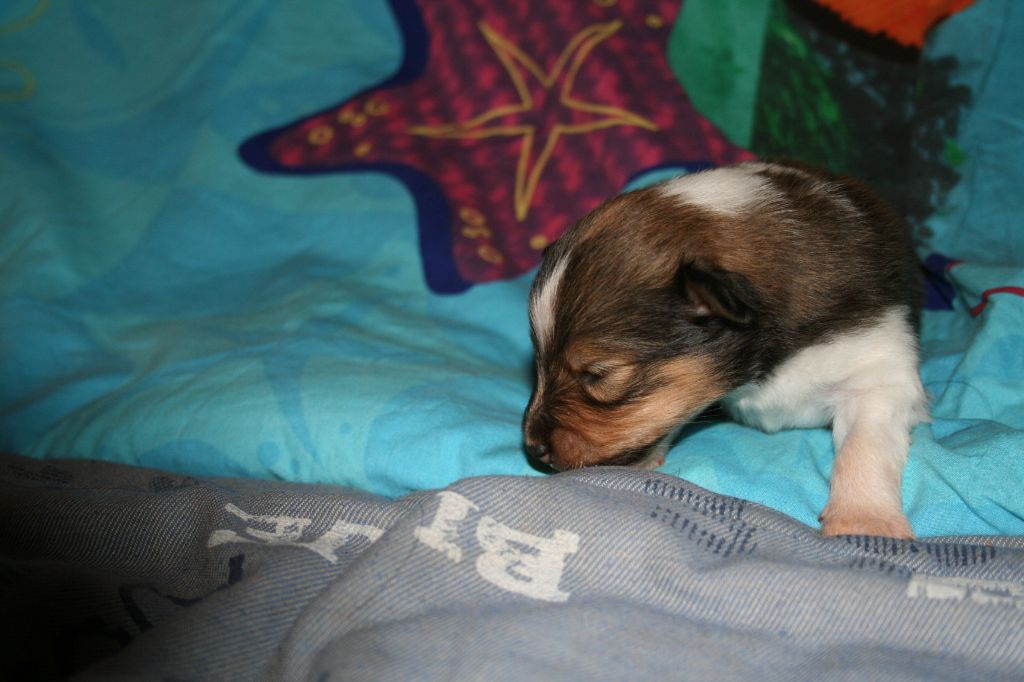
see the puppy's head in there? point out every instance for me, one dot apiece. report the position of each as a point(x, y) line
point(636, 329)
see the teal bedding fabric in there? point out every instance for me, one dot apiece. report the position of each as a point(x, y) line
point(165, 303)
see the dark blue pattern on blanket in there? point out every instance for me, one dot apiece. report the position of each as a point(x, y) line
point(605, 574)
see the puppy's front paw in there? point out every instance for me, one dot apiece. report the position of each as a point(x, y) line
point(892, 525)
point(651, 462)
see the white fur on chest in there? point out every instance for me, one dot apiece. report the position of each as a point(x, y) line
point(876, 365)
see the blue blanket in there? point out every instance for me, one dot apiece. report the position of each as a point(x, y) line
point(164, 303)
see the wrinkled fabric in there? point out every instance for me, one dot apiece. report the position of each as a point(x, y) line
point(606, 574)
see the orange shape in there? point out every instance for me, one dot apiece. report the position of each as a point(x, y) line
point(905, 21)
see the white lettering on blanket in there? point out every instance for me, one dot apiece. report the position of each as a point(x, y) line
point(452, 510)
point(288, 530)
point(523, 563)
point(984, 592)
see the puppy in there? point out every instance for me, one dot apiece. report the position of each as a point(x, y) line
point(789, 294)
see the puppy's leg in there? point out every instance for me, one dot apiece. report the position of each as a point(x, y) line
point(652, 461)
point(871, 431)
point(658, 453)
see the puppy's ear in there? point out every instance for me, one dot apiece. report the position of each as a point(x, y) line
point(710, 293)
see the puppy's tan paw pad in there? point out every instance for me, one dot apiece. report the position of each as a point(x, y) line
point(894, 526)
point(652, 462)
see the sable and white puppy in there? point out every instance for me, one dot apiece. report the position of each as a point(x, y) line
point(789, 294)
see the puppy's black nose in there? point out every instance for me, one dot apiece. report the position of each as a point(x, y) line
point(539, 452)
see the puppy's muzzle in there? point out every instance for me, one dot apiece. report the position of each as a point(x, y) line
point(536, 428)
point(539, 453)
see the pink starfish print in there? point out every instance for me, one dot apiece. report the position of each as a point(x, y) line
point(508, 121)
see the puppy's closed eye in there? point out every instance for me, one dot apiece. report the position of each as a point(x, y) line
point(605, 382)
point(592, 375)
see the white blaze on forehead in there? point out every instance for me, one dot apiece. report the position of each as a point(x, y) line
point(542, 303)
point(725, 190)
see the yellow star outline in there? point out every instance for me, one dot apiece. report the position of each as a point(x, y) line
point(28, 80)
point(562, 75)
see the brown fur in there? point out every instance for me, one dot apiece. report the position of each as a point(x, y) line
point(585, 433)
point(664, 307)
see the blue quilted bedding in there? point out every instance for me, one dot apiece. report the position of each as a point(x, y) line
point(166, 301)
